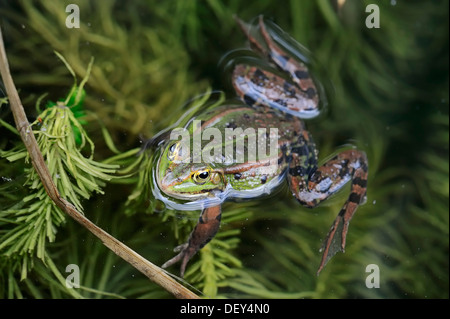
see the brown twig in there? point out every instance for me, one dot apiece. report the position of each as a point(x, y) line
point(153, 272)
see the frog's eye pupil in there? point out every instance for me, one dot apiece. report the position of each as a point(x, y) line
point(203, 175)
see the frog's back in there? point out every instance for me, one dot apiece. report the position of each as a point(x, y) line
point(255, 146)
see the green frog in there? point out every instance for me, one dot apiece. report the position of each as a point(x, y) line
point(275, 96)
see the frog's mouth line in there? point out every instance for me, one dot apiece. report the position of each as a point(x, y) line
point(190, 194)
point(212, 197)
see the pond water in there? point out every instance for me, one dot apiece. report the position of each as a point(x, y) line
point(384, 72)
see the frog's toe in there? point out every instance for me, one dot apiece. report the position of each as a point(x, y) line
point(180, 248)
point(186, 253)
point(334, 242)
point(172, 261)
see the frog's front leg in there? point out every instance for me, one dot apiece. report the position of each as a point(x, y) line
point(325, 181)
point(207, 226)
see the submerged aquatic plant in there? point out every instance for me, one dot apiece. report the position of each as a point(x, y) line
point(31, 223)
point(388, 94)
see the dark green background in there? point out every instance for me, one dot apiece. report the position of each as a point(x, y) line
point(388, 95)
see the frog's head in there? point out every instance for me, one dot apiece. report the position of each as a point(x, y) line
point(185, 180)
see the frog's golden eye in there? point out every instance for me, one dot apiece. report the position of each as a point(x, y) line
point(201, 177)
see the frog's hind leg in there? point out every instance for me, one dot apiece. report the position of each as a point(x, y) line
point(299, 98)
point(297, 70)
point(207, 226)
point(325, 181)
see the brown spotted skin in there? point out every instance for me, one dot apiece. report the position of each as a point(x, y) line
point(298, 96)
point(313, 187)
point(259, 87)
point(309, 183)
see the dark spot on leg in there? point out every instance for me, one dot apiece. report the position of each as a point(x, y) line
point(301, 74)
point(355, 198)
point(310, 92)
point(289, 89)
point(297, 171)
point(364, 166)
point(360, 182)
point(281, 102)
point(260, 75)
point(344, 169)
